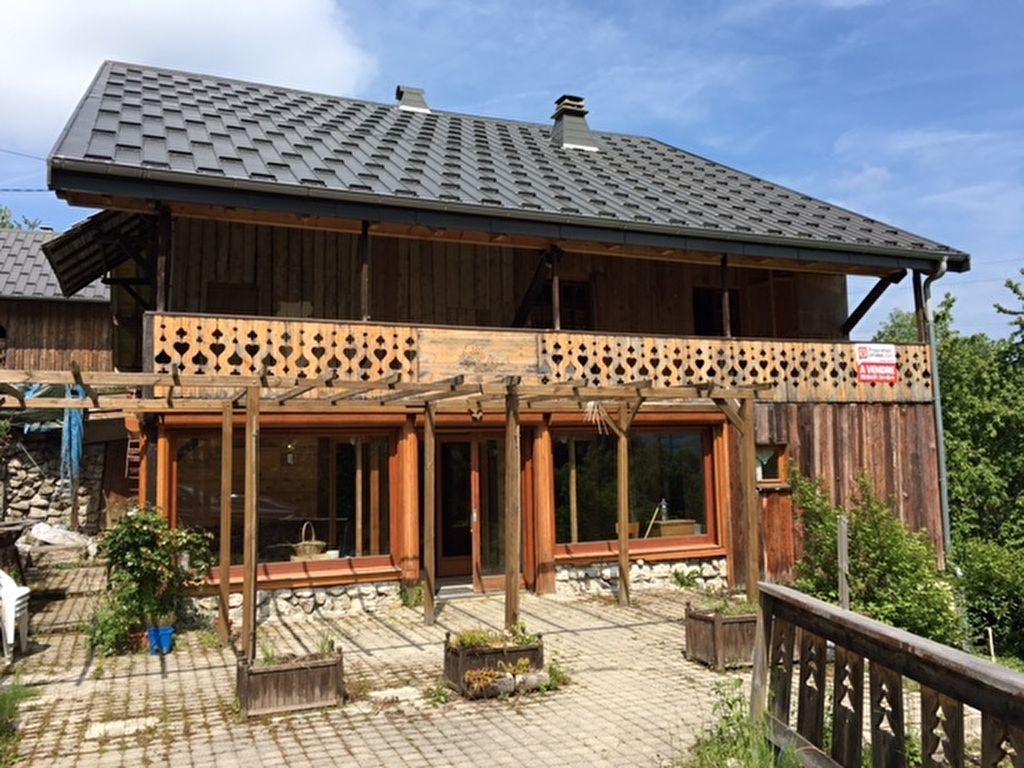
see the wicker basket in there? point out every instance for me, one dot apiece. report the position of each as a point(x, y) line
point(309, 546)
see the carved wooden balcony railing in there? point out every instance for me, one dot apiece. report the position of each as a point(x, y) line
point(948, 680)
point(807, 371)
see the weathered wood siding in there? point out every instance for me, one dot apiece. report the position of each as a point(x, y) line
point(892, 444)
point(308, 273)
point(49, 335)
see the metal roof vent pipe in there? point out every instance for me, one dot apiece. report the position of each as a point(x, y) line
point(411, 99)
point(571, 130)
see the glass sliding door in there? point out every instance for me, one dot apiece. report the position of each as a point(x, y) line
point(456, 465)
point(492, 507)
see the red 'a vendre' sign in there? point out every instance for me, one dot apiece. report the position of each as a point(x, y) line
point(876, 364)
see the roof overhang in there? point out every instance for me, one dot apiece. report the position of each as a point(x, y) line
point(68, 177)
point(93, 248)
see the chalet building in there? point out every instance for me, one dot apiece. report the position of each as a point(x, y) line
point(427, 280)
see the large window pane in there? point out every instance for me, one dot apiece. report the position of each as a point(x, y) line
point(302, 479)
point(667, 486)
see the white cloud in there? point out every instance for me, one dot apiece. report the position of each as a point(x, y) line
point(52, 50)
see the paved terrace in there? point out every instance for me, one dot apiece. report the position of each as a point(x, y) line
point(633, 700)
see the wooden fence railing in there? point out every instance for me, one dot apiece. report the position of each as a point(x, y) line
point(948, 679)
point(802, 371)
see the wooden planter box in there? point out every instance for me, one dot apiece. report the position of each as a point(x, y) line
point(458, 661)
point(294, 685)
point(720, 641)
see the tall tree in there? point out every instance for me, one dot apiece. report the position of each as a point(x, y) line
point(983, 404)
point(7, 220)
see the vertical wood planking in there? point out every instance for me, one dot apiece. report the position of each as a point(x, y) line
point(888, 738)
point(544, 508)
point(942, 730)
point(513, 507)
point(429, 514)
point(622, 501)
point(810, 715)
point(848, 708)
point(251, 522)
point(226, 464)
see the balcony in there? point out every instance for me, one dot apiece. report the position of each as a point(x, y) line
point(804, 371)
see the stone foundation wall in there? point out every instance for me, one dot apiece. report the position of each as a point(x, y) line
point(603, 578)
point(30, 485)
point(297, 603)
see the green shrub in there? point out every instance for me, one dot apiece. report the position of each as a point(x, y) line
point(154, 565)
point(992, 582)
point(736, 740)
point(893, 574)
point(112, 624)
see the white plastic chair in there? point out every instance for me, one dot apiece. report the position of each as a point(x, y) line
point(13, 613)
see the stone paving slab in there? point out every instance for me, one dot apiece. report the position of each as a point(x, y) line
point(634, 699)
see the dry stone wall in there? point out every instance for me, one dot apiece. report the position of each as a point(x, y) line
point(31, 488)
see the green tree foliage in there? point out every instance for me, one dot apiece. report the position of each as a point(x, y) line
point(893, 574)
point(7, 220)
point(993, 589)
point(982, 381)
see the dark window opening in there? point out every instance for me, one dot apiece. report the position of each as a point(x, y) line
point(707, 312)
point(3, 345)
point(576, 306)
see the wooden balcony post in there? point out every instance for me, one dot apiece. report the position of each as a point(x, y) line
point(726, 313)
point(409, 541)
point(574, 519)
point(429, 519)
point(251, 521)
point(364, 271)
point(748, 481)
point(226, 460)
point(513, 506)
point(544, 508)
point(622, 491)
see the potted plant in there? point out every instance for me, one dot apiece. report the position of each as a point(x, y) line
point(152, 567)
point(720, 632)
point(481, 663)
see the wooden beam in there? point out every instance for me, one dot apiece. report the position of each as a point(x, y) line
point(163, 472)
point(730, 411)
point(533, 292)
point(622, 497)
point(250, 535)
point(429, 516)
point(544, 508)
point(76, 375)
point(919, 314)
point(513, 507)
point(409, 540)
point(449, 384)
point(748, 482)
point(17, 394)
point(374, 499)
point(726, 309)
point(574, 521)
point(301, 389)
point(163, 257)
point(364, 271)
point(869, 301)
point(556, 291)
point(358, 495)
point(388, 382)
point(226, 475)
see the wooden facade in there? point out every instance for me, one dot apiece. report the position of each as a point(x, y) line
point(48, 335)
point(283, 301)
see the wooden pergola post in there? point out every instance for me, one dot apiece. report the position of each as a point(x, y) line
point(429, 521)
point(748, 479)
point(513, 505)
point(226, 459)
point(251, 529)
point(574, 519)
point(622, 495)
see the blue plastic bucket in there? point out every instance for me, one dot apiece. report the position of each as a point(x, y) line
point(166, 638)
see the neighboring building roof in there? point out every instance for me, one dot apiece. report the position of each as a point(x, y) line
point(146, 131)
point(26, 274)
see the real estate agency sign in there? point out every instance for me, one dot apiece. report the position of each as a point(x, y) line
point(876, 363)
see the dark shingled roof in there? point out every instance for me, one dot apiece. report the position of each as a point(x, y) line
point(26, 274)
point(165, 126)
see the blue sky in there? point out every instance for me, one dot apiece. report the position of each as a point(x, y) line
point(911, 111)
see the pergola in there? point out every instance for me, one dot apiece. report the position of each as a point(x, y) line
point(611, 407)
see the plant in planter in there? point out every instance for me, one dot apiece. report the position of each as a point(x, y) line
point(720, 632)
point(285, 683)
point(482, 663)
point(152, 567)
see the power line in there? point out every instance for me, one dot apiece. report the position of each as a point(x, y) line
point(23, 189)
point(22, 154)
